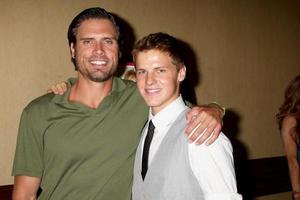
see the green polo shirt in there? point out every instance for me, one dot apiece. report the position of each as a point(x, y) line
point(82, 153)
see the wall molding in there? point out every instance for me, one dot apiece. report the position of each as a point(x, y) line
point(256, 177)
point(5, 192)
point(264, 176)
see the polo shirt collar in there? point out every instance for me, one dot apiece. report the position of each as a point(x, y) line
point(118, 85)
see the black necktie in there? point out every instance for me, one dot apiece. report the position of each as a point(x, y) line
point(146, 149)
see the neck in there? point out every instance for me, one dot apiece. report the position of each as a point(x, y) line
point(90, 93)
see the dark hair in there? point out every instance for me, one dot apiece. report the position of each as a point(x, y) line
point(162, 42)
point(291, 104)
point(90, 13)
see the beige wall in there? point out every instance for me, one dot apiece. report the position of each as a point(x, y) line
point(246, 51)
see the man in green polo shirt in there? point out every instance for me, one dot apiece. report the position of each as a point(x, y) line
point(81, 145)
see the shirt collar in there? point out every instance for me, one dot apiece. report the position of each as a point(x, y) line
point(118, 85)
point(167, 115)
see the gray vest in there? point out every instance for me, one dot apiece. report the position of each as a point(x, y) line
point(169, 175)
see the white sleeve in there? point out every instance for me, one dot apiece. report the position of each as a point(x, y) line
point(214, 169)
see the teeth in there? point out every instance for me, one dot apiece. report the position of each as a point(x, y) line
point(98, 62)
point(152, 90)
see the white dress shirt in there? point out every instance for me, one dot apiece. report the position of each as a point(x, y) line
point(212, 165)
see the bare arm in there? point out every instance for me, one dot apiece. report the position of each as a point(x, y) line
point(290, 147)
point(25, 188)
point(207, 119)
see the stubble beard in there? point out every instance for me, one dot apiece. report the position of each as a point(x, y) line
point(104, 76)
point(97, 76)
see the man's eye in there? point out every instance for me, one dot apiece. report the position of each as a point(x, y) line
point(139, 72)
point(87, 42)
point(108, 41)
point(161, 70)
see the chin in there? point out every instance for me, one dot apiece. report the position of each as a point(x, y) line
point(152, 103)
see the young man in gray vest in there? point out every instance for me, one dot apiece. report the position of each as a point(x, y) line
point(166, 166)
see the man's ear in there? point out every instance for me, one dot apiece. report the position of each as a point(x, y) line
point(72, 50)
point(182, 73)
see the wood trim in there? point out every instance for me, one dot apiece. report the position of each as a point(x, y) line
point(5, 192)
point(265, 176)
point(257, 177)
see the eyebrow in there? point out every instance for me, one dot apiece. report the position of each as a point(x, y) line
point(112, 38)
point(91, 38)
point(159, 67)
point(143, 68)
point(86, 38)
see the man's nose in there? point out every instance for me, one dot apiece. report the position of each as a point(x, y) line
point(99, 48)
point(150, 79)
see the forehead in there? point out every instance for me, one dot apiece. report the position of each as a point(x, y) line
point(153, 57)
point(96, 26)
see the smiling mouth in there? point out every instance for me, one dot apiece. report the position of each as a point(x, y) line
point(98, 62)
point(152, 91)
